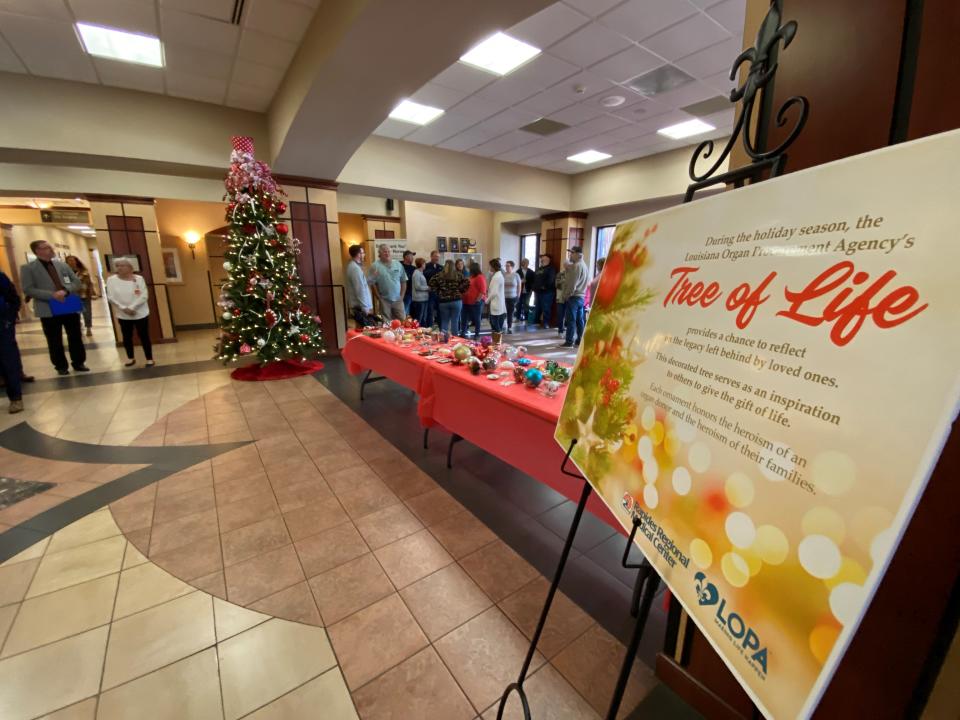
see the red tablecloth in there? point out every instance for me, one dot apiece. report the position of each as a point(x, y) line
point(515, 423)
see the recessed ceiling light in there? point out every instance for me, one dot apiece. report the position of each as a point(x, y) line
point(411, 112)
point(686, 129)
point(500, 54)
point(121, 45)
point(613, 101)
point(589, 156)
point(78, 227)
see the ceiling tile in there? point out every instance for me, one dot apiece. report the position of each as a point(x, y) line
point(712, 60)
point(576, 114)
point(582, 86)
point(48, 48)
point(687, 37)
point(639, 19)
point(626, 132)
point(9, 62)
point(279, 18)
point(248, 98)
point(438, 96)
point(503, 122)
point(638, 112)
point(186, 59)
point(627, 64)
point(722, 82)
point(546, 102)
point(686, 95)
point(589, 45)
point(130, 76)
point(195, 87)
point(593, 8)
point(548, 25)
point(705, 3)
point(601, 124)
point(479, 108)
point(53, 9)
point(444, 127)
point(394, 129)
point(138, 17)
point(254, 75)
point(730, 14)
point(520, 152)
point(216, 9)
point(463, 77)
point(265, 49)
point(541, 72)
point(508, 141)
point(464, 141)
point(196, 31)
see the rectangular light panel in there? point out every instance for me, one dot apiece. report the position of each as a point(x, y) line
point(500, 54)
point(121, 45)
point(589, 156)
point(411, 112)
point(686, 129)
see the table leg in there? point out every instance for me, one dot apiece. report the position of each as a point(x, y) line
point(426, 438)
point(367, 380)
point(453, 439)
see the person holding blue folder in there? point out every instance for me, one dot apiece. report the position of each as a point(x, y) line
point(56, 301)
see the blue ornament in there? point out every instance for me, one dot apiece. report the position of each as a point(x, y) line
point(524, 361)
point(533, 378)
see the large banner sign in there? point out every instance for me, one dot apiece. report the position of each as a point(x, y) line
point(765, 383)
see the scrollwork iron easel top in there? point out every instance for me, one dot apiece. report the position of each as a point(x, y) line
point(762, 58)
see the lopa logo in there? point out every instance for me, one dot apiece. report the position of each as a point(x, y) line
point(627, 502)
point(732, 624)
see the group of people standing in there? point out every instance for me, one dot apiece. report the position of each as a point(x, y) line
point(62, 293)
point(453, 295)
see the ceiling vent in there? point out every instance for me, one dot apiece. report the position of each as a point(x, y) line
point(709, 106)
point(664, 79)
point(544, 127)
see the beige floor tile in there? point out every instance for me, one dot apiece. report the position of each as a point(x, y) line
point(186, 690)
point(485, 655)
point(549, 696)
point(93, 527)
point(349, 587)
point(420, 687)
point(78, 565)
point(144, 586)
point(15, 579)
point(156, 637)
point(565, 623)
point(83, 710)
point(498, 570)
point(7, 614)
point(133, 557)
point(292, 653)
point(328, 692)
point(444, 600)
point(60, 614)
point(31, 688)
point(591, 664)
point(412, 558)
point(31, 553)
point(397, 637)
point(231, 619)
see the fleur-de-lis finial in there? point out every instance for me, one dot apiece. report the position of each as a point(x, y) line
point(762, 68)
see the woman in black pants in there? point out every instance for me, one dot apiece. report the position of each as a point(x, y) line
point(127, 292)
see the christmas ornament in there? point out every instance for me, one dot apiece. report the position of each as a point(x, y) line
point(533, 377)
point(519, 373)
point(227, 315)
point(551, 388)
point(394, 324)
point(249, 229)
point(270, 317)
point(461, 352)
point(282, 228)
point(281, 208)
point(507, 365)
point(237, 312)
point(304, 337)
point(245, 349)
point(474, 365)
point(524, 362)
point(611, 278)
point(490, 363)
point(521, 350)
point(317, 320)
point(228, 266)
point(511, 353)
point(261, 342)
point(389, 336)
point(486, 341)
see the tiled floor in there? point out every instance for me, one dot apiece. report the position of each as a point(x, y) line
point(323, 565)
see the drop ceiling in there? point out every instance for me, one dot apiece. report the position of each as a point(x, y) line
point(592, 50)
point(208, 57)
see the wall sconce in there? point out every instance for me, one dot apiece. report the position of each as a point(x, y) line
point(192, 237)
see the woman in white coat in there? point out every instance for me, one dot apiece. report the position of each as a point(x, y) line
point(127, 293)
point(496, 298)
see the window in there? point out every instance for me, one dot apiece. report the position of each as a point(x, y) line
point(604, 240)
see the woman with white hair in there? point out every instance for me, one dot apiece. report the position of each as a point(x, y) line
point(127, 292)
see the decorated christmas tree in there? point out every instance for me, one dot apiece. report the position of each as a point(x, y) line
point(263, 307)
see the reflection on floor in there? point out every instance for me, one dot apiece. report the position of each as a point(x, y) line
point(412, 596)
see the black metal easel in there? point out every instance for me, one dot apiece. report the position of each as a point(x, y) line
point(763, 59)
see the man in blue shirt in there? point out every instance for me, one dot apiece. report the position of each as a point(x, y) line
point(359, 301)
point(408, 268)
point(389, 283)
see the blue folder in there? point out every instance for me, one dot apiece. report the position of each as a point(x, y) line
point(69, 305)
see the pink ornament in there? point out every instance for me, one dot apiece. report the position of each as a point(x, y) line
point(245, 349)
point(317, 320)
point(242, 143)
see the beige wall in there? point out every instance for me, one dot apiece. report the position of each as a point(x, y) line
point(59, 116)
point(190, 300)
point(365, 204)
point(425, 221)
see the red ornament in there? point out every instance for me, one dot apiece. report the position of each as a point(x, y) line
point(236, 312)
point(271, 318)
point(611, 279)
point(282, 228)
point(304, 337)
point(395, 324)
point(249, 229)
point(281, 208)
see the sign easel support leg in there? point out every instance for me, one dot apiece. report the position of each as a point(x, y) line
point(555, 583)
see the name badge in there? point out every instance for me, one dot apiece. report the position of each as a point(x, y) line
point(66, 280)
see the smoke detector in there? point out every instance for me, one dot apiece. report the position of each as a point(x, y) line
point(612, 101)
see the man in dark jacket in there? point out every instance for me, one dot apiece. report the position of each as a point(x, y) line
point(545, 289)
point(527, 279)
point(11, 367)
point(433, 304)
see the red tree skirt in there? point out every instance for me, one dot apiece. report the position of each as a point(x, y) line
point(278, 370)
